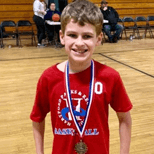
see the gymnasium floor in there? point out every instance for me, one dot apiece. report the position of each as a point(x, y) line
point(20, 69)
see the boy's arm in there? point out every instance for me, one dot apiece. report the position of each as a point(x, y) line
point(38, 131)
point(124, 131)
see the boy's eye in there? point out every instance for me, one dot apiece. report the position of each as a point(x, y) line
point(87, 36)
point(72, 35)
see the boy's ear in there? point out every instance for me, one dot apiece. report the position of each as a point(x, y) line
point(99, 39)
point(61, 35)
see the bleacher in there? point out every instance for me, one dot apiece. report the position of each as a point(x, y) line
point(23, 10)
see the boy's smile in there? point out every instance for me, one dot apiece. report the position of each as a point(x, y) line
point(80, 42)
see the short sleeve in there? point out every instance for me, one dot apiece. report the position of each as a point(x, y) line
point(120, 101)
point(41, 105)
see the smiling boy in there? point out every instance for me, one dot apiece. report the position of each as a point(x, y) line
point(78, 91)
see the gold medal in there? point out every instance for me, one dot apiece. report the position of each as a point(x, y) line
point(81, 147)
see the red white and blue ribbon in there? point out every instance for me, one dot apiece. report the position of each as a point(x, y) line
point(68, 91)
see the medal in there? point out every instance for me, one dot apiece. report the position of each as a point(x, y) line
point(81, 147)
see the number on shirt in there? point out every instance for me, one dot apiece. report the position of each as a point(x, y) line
point(98, 88)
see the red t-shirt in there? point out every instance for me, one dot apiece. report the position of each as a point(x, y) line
point(51, 97)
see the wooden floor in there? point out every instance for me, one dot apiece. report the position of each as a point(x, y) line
point(20, 69)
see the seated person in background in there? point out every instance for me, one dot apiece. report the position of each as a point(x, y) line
point(111, 16)
point(50, 28)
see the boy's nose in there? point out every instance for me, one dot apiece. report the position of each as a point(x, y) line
point(79, 41)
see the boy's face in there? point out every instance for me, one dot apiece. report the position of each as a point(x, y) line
point(80, 41)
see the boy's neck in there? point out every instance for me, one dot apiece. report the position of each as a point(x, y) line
point(74, 67)
point(78, 67)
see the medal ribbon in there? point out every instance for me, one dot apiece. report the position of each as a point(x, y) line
point(68, 91)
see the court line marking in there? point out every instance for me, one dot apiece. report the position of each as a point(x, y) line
point(3, 60)
point(118, 51)
point(126, 65)
point(66, 55)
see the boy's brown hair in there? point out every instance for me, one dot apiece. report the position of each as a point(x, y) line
point(82, 11)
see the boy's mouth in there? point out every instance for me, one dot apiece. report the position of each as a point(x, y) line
point(80, 51)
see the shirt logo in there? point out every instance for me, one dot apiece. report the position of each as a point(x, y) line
point(79, 100)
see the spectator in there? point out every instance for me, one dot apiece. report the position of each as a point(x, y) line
point(39, 12)
point(111, 16)
point(50, 28)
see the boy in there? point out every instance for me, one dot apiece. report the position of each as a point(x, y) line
point(78, 92)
